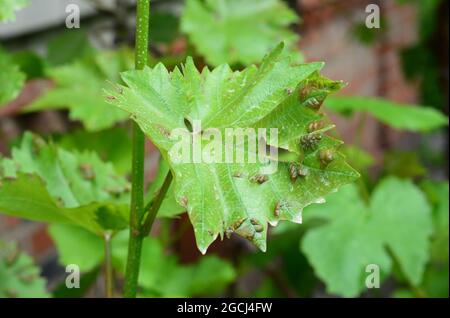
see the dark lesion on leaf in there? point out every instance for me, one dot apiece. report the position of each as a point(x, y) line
point(259, 178)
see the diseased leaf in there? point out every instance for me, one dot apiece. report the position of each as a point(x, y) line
point(412, 118)
point(8, 9)
point(112, 145)
point(19, 276)
point(238, 197)
point(161, 275)
point(11, 78)
point(238, 32)
point(397, 219)
point(79, 88)
point(45, 183)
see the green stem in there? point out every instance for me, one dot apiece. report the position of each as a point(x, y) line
point(156, 204)
point(109, 278)
point(137, 191)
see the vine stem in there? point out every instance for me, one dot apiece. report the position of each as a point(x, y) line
point(109, 278)
point(154, 206)
point(137, 183)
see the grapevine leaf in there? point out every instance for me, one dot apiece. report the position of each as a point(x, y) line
point(19, 276)
point(161, 275)
point(223, 197)
point(9, 7)
point(398, 218)
point(46, 183)
point(78, 246)
point(11, 78)
point(112, 145)
point(412, 118)
point(79, 88)
point(437, 193)
point(234, 31)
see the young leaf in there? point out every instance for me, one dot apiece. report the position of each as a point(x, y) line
point(8, 9)
point(46, 183)
point(11, 78)
point(79, 88)
point(224, 197)
point(412, 118)
point(235, 31)
point(398, 218)
point(19, 276)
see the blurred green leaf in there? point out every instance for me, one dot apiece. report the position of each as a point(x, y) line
point(11, 78)
point(356, 235)
point(438, 195)
point(46, 183)
point(8, 9)
point(30, 63)
point(413, 118)
point(19, 276)
point(79, 87)
point(358, 158)
point(238, 32)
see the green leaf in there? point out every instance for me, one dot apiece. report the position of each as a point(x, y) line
point(45, 183)
point(164, 26)
point(223, 197)
point(11, 78)
point(412, 118)
point(8, 9)
point(438, 194)
point(397, 219)
point(238, 32)
point(77, 246)
point(30, 63)
point(69, 46)
point(403, 164)
point(19, 276)
point(162, 276)
point(112, 145)
point(79, 88)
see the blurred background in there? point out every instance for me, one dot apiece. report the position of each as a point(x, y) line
point(404, 64)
